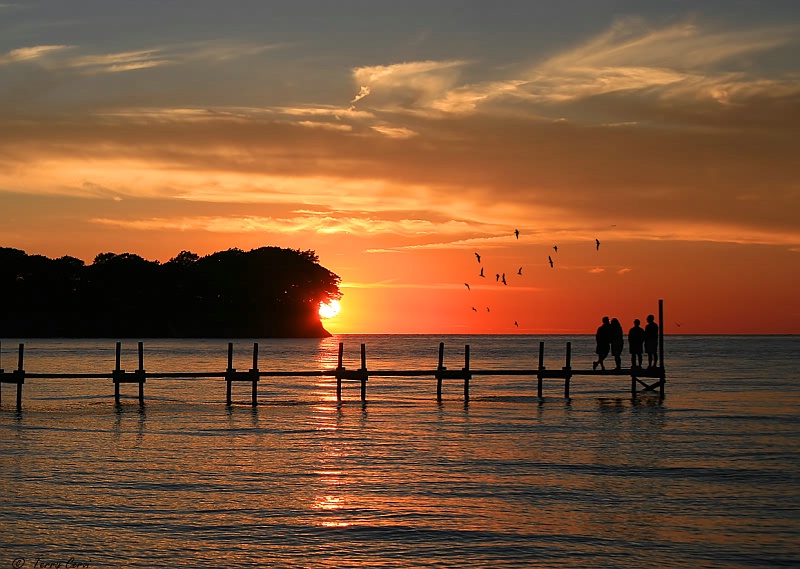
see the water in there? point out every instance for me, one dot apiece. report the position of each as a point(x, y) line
point(710, 477)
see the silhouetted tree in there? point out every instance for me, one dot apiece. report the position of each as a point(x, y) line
point(266, 292)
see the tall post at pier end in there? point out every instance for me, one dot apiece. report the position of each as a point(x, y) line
point(567, 370)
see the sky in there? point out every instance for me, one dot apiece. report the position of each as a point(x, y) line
point(398, 139)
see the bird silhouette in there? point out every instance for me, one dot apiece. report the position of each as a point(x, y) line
point(478, 257)
point(482, 272)
point(519, 272)
point(597, 244)
point(497, 277)
point(515, 324)
point(467, 285)
point(474, 309)
point(504, 279)
point(555, 248)
point(549, 258)
point(516, 233)
point(487, 309)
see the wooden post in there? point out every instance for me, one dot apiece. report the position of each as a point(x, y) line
point(229, 373)
point(466, 372)
point(20, 376)
point(364, 369)
point(339, 367)
point(440, 368)
point(140, 373)
point(117, 370)
point(567, 370)
point(540, 369)
point(254, 372)
point(661, 348)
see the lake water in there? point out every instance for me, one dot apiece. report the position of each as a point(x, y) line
point(708, 477)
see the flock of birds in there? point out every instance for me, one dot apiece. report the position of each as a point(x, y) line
point(501, 277)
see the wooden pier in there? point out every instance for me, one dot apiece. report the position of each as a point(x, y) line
point(648, 379)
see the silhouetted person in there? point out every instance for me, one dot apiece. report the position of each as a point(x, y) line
point(651, 341)
point(603, 338)
point(617, 342)
point(516, 233)
point(636, 343)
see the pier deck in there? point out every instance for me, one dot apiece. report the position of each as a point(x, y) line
point(341, 373)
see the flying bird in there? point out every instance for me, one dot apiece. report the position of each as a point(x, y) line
point(597, 244)
point(474, 309)
point(519, 272)
point(515, 324)
point(487, 309)
point(549, 258)
point(504, 279)
point(555, 248)
point(478, 257)
point(467, 285)
point(497, 277)
point(482, 272)
point(516, 232)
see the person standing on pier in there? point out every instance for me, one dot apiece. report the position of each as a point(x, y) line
point(617, 342)
point(636, 343)
point(603, 338)
point(651, 341)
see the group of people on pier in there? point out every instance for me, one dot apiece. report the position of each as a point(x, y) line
point(610, 338)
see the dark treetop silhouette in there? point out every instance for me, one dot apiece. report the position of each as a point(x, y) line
point(264, 293)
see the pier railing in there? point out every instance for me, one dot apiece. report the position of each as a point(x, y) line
point(361, 375)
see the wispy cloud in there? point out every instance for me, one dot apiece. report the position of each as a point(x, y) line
point(51, 56)
point(31, 53)
point(683, 62)
point(322, 224)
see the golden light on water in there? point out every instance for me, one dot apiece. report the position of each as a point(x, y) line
point(329, 309)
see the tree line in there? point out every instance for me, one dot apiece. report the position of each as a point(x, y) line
point(267, 292)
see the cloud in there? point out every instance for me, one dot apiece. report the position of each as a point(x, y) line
point(651, 70)
point(410, 85)
point(317, 223)
point(31, 53)
point(87, 62)
point(624, 270)
point(363, 92)
point(597, 270)
point(394, 132)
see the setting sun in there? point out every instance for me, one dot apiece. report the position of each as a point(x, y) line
point(330, 309)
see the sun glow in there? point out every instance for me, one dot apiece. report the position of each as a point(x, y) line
point(330, 309)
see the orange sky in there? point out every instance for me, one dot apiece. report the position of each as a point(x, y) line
point(669, 136)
